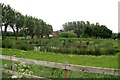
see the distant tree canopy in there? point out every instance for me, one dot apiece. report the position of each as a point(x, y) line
point(85, 29)
point(28, 25)
point(118, 36)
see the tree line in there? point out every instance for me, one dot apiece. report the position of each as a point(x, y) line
point(86, 29)
point(28, 25)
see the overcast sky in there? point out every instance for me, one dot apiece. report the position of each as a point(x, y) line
point(57, 12)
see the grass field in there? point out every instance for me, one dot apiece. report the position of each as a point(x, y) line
point(109, 61)
point(47, 72)
point(104, 61)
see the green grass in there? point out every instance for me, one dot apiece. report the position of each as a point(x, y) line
point(105, 61)
point(47, 72)
point(4, 75)
point(67, 45)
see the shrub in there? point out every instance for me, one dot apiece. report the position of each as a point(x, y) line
point(83, 51)
point(107, 44)
point(96, 51)
point(111, 51)
point(7, 44)
point(90, 51)
point(68, 34)
point(107, 48)
point(65, 46)
point(87, 43)
point(26, 46)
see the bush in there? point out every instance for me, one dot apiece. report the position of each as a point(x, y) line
point(7, 44)
point(111, 51)
point(90, 51)
point(107, 48)
point(65, 46)
point(10, 34)
point(96, 51)
point(26, 46)
point(107, 44)
point(68, 34)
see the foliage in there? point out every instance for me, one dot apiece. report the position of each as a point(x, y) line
point(9, 34)
point(27, 24)
point(6, 44)
point(68, 34)
point(24, 46)
point(118, 36)
point(88, 30)
point(21, 68)
point(65, 46)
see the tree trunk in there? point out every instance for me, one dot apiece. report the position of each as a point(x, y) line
point(1, 31)
point(17, 30)
point(38, 36)
point(32, 36)
point(14, 31)
point(78, 36)
point(25, 34)
point(41, 36)
point(48, 36)
point(5, 30)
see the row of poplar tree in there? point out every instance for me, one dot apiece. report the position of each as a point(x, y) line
point(18, 22)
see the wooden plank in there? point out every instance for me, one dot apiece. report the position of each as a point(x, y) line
point(63, 66)
point(93, 69)
point(26, 75)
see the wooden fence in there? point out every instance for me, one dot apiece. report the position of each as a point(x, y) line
point(26, 75)
point(64, 66)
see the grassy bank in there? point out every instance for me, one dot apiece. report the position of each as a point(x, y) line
point(105, 61)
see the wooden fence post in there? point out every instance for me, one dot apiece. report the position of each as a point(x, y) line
point(65, 71)
point(13, 66)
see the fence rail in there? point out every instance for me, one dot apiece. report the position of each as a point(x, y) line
point(65, 66)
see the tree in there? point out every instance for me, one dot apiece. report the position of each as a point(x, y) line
point(8, 16)
point(38, 28)
point(27, 24)
point(31, 26)
point(87, 29)
point(118, 36)
point(5, 15)
point(78, 31)
point(102, 31)
point(19, 22)
point(50, 30)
